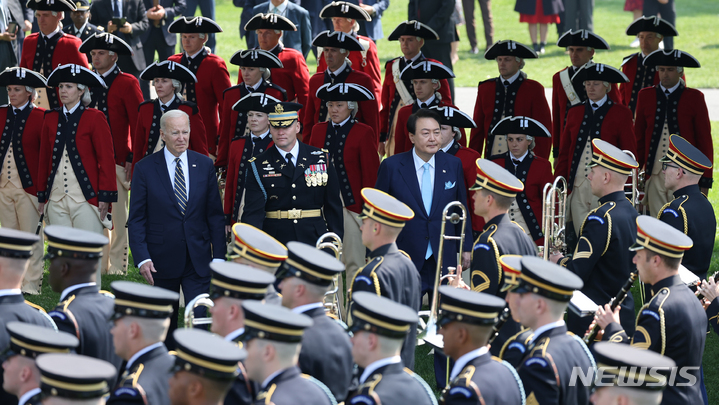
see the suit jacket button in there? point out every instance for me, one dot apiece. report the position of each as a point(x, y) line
point(426, 238)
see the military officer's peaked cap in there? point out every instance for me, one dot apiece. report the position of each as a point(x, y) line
point(521, 125)
point(256, 58)
point(426, 70)
point(195, 25)
point(273, 322)
point(270, 22)
point(18, 76)
point(168, 69)
point(51, 5)
point(344, 92)
point(468, 306)
point(385, 209)
point(344, 9)
point(107, 41)
point(16, 244)
point(34, 340)
point(413, 28)
point(142, 300)
point(454, 117)
point(239, 281)
point(686, 155)
point(283, 114)
point(493, 177)
point(652, 23)
point(254, 102)
point(507, 47)
point(582, 38)
point(629, 367)
point(256, 245)
point(547, 279)
point(599, 71)
point(82, 5)
point(660, 237)
point(74, 376)
point(512, 269)
point(673, 57)
point(73, 243)
point(71, 73)
point(337, 39)
point(376, 314)
point(310, 264)
point(206, 354)
point(609, 156)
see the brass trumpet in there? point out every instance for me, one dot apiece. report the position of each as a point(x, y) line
point(429, 333)
point(201, 300)
point(332, 241)
point(554, 208)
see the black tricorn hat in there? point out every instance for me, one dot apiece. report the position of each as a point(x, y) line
point(344, 92)
point(254, 102)
point(413, 28)
point(426, 70)
point(652, 23)
point(508, 47)
point(673, 57)
point(345, 10)
point(71, 73)
point(582, 38)
point(521, 125)
point(454, 117)
point(104, 40)
point(270, 22)
point(256, 58)
point(21, 77)
point(169, 70)
point(599, 71)
point(50, 5)
point(195, 25)
point(336, 39)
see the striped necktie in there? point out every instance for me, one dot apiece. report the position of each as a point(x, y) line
point(180, 187)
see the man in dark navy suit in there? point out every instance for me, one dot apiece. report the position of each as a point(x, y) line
point(102, 12)
point(426, 181)
point(157, 38)
point(176, 223)
point(299, 39)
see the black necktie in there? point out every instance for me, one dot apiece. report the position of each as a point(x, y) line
point(288, 156)
point(422, 105)
point(332, 77)
point(16, 111)
point(595, 105)
point(516, 161)
point(506, 83)
point(163, 107)
point(337, 127)
point(67, 116)
point(667, 92)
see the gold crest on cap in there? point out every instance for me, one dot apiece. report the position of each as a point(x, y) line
point(279, 109)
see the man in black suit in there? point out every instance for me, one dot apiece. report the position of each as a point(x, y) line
point(176, 224)
point(81, 26)
point(102, 12)
point(437, 14)
point(157, 38)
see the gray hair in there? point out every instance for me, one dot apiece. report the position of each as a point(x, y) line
point(86, 96)
point(201, 35)
point(266, 73)
point(172, 114)
point(521, 62)
point(680, 69)
point(352, 105)
point(177, 85)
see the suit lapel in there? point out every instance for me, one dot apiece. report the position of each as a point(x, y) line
point(409, 174)
point(164, 176)
point(194, 180)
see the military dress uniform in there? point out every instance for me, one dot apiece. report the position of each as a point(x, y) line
point(212, 77)
point(43, 53)
point(690, 212)
point(300, 203)
point(147, 138)
point(601, 258)
point(19, 153)
point(515, 348)
point(119, 101)
point(233, 123)
point(83, 311)
point(661, 325)
point(147, 371)
point(662, 112)
point(498, 98)
point(87, 30)
point(552, 354)
point(74, 378)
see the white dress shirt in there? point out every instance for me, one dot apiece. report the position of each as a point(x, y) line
point(466, 358)
point(418, 163)
point(340, 69)
point(599, 103)
point(671, 90)
point(448, 147)
point(171, 166)
point(294, 151)
point(280, 9)
point(52, 34)
point(167, 106)
point(270, 377)
point(26, 396)
point(428, 102)
point(12, 291)
point(512, 79)
point(22, 107)
point(261, 136)
point(72, 110)
point(376, 365)
point(521, 159)
point(107, 73)
point(304, 308)
point(341, 124)
point(235, 333)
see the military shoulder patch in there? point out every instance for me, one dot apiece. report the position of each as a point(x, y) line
point(536, 361)
point(671, 211)
point(595, 218)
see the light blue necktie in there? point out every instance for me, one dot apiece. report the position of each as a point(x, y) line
point(427, 199)
point(275, 10)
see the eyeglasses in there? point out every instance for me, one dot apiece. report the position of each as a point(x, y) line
point(665, 165)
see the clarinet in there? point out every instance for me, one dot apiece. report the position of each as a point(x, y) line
point(699, 283)
point(616, 301)
point(503, 317)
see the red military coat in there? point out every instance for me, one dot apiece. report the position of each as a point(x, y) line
point(559, 107)
point(691, 122)
point(469, 167)
point(529, 101)
point(93, 141)
point(120, 103)
point(212, 79)
point(147, 132)
point(401, 135)
point(238, 168)
point(368, 110)
point(368, 64)
point(29, 142)
point(389, 92)
point(534, 172)
point(615, 128)
point(229, 118)
point(359, 162)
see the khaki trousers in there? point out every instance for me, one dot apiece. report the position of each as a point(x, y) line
point(18, 210)
point(581, 201)
point(656, 194)
point(353, 251)
point(114, 255)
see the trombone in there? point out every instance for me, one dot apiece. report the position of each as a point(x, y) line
point(554, 208)
point(633, 181)
point(332, 241)
point(202, 300)
point(429, 334)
